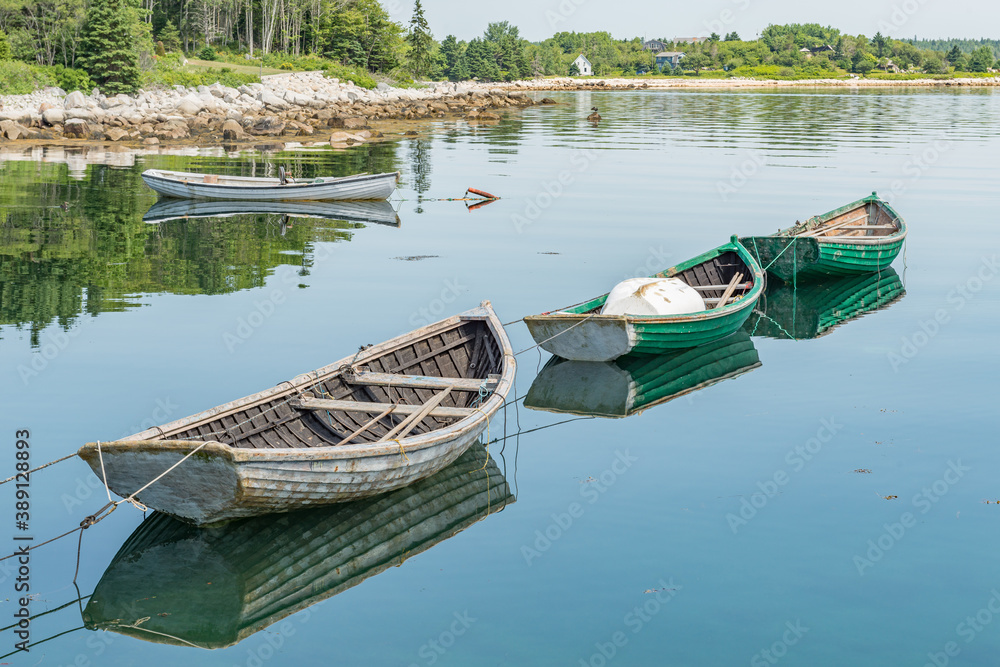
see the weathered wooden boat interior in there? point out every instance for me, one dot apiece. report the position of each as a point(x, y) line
point(421, 385)
point(869, 219)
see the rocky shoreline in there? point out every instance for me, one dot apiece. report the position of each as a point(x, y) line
point(303, 106)
point(299, 106)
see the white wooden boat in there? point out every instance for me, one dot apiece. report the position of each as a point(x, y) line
point(376, 421)
point(377, 212)
point(186, 185)
point(255, 572)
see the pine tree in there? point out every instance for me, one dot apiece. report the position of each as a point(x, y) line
point(107, 47)
point(170, 36)
point(421, 43)
point(4, 46)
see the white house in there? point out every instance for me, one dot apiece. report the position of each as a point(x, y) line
point(581, 62)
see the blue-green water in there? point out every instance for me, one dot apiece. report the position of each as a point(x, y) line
point(700, 532)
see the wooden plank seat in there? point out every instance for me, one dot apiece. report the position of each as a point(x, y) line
point(368, 378)
point(371, 407)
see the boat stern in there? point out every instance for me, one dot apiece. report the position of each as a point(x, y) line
point(582, 337)
point(204, 488)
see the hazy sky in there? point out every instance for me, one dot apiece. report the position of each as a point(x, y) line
point(539, 19)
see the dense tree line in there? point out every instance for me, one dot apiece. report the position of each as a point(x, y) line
point(116, 40)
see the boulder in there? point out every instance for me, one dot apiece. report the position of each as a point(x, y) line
point(190, 105)
point(115, 134)
point(172, 129)
point(548, 100)
point(232, 131)
point(53, 116)
point(75, 100)
point(269, 99)
point(349, 122)
point(268, 126)
point(76, 128)
point(151, 141)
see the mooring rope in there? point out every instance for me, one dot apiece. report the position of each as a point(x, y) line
point(540, 343)
point(50, 463)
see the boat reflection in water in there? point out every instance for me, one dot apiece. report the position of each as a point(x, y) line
point(815, 309)
point(174, 583)
point(635, 382)
point(375, 212)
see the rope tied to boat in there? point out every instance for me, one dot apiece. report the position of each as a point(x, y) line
point(540, 343)
point(401, 450)
point(46, 465)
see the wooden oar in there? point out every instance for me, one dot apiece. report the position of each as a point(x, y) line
point(729, 290)
point(404, 427)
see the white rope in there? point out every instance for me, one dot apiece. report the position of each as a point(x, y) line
point(104, 476)
point(540, 343)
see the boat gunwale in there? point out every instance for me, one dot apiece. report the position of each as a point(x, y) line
point(698, 316)
point(818, 220)
point(146, 441)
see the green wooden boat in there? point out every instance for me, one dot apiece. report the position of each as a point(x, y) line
point(582, 333)
point(636, 382)
point(861, 237)
point(174, 583)
point(815, 309)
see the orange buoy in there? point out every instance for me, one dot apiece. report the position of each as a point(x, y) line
point(482, 193)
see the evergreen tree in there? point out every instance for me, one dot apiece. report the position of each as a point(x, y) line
point(880, 44)
point(956, 57)
point(481, 61)
point(421, 43)
point(456, 66)
point(108, 47)
point(4, 47)
point(981, 59)
point(170, 36)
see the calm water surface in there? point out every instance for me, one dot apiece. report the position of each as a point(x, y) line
point(705, 531)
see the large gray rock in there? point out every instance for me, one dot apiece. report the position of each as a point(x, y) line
point(268, 126)
point(381, 87)
point(76, 128)
point(75, 100)
point(271, 100)
point(232, 131)
point(115, 134)
point(53, 116)
point(190, 105)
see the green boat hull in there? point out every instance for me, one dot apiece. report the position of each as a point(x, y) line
point(790, 257)
point(636, 382)
point(580, 332)
point(811, 310)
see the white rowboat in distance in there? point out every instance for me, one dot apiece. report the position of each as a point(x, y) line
point(185, 185)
